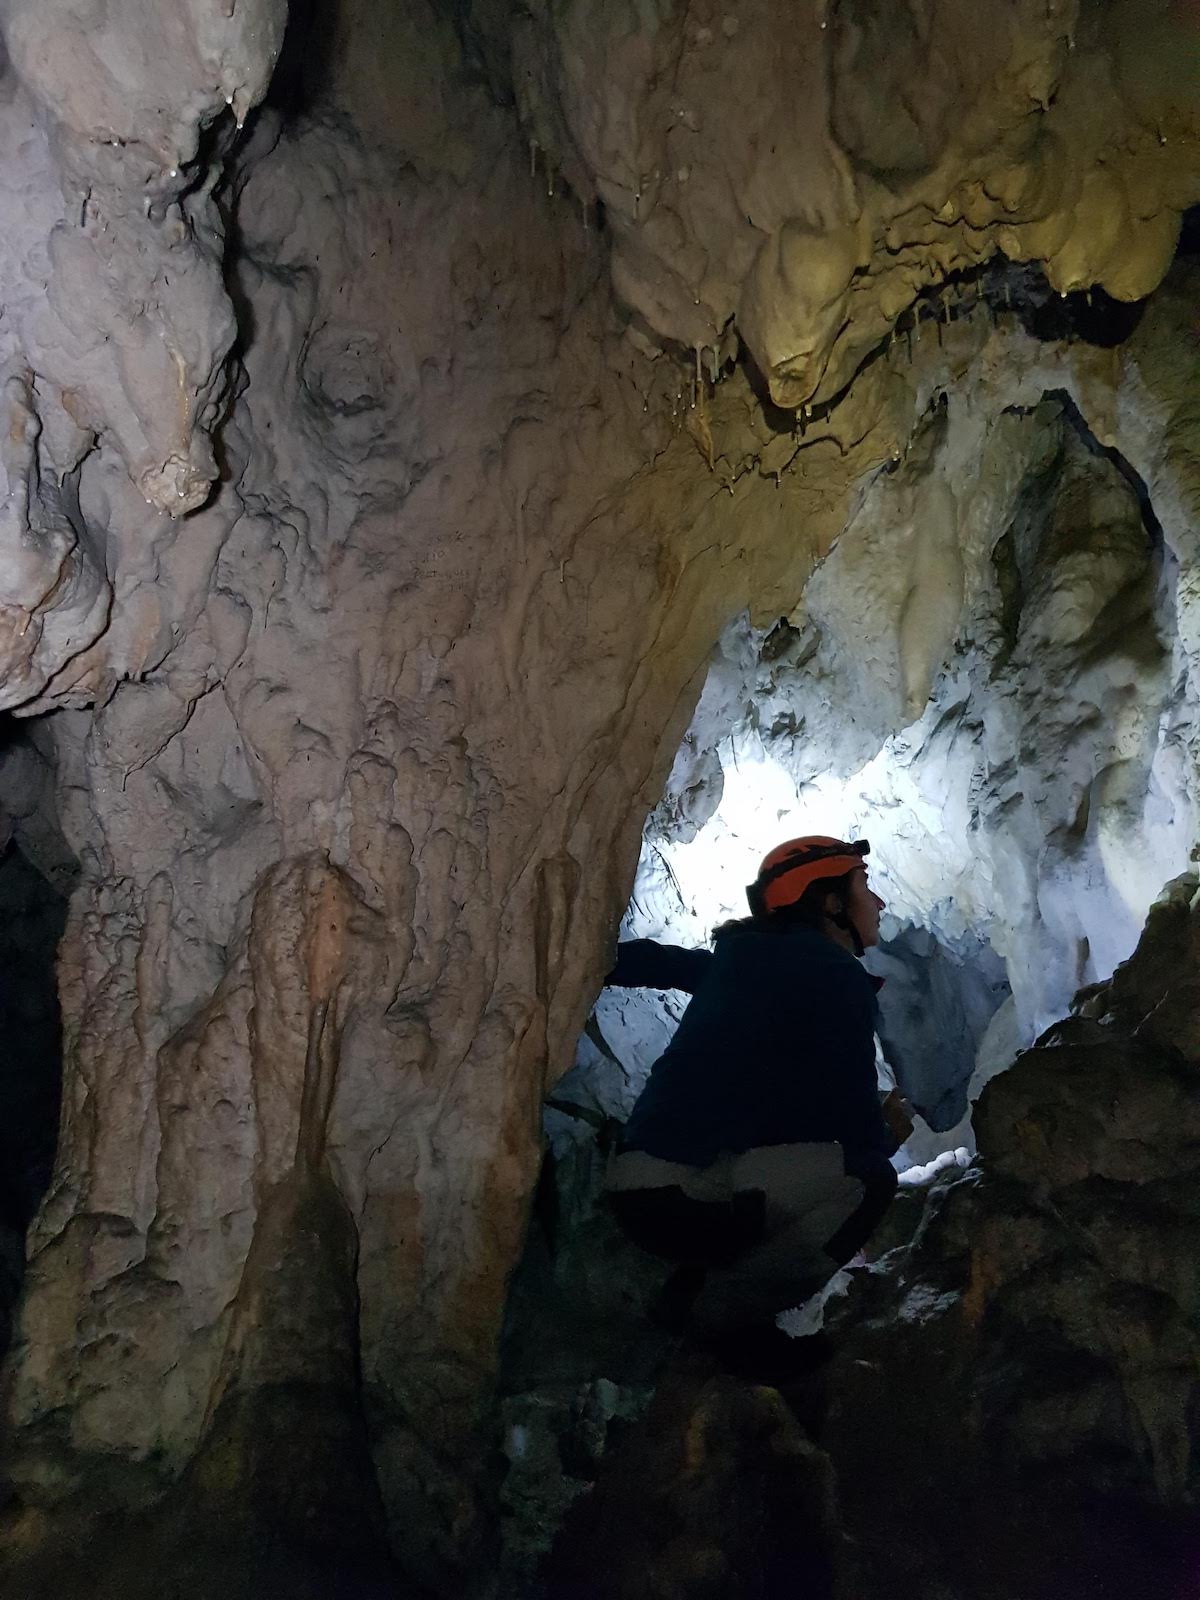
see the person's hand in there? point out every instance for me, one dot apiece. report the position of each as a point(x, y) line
point(898, 1115)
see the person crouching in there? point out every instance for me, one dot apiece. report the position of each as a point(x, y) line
point(757, 1155)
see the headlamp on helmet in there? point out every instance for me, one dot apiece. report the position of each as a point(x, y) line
point(788, 871)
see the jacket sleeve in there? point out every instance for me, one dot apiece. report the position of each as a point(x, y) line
point(839, 1094)
point(866, 1126)
point(646, 964)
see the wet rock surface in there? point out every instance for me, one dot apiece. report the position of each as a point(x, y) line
point(825, 210)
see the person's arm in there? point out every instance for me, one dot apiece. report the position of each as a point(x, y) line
point(861, 1119)
point(646, 964)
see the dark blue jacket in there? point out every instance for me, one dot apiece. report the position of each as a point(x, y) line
point(777, 1046)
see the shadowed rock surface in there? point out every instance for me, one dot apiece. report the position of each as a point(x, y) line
point(1040, 1336)
point(717, 1492)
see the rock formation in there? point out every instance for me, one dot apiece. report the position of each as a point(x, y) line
point(1046, 1318)
point(815, 218)
point(372, 508)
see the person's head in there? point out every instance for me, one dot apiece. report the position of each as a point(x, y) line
point(821, 883)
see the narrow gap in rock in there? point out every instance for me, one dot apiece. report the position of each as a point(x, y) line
point(1150, 519)
point(35, 881)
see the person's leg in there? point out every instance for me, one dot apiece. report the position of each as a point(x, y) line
point(808, 1200)
point(844, 1245)
point(695, 1234)
point(667, 1222)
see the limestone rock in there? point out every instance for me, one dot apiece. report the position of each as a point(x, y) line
point(1040, 1332)
point(838, 195)
point(433, 515)
point(358, 544)
point(716, 1493)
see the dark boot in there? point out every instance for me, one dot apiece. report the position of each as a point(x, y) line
point(671, 1308)
point(762, 1353)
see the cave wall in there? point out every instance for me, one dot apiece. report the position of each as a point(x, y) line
point(334, 893)
point(369, 552)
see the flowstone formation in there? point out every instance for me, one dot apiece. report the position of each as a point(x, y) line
point(365, 553)
point(117, 328)
point(877, 150)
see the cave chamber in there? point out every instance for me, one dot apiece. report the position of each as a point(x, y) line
point(474, 473)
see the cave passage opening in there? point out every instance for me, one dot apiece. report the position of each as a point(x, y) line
point(1017, 751)
point(985, 678)
point(748, 775)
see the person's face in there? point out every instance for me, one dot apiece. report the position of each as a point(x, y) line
point(863, 906)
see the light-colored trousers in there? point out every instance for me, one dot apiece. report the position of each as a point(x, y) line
point(807, 1196)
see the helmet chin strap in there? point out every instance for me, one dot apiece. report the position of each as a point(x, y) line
point(841, 919)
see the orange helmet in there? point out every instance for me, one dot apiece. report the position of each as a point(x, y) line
point(789, 869)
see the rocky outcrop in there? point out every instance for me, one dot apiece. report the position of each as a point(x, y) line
point(1040, 1333)
point(717, 1492)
